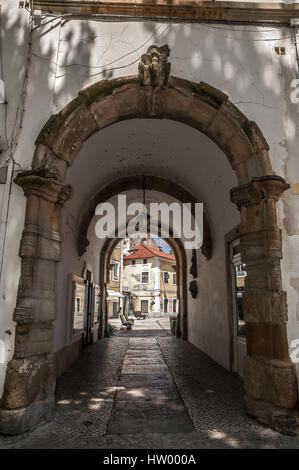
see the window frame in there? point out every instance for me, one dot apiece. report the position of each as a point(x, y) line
point(116, 263)
point(165, 272)
point(148, 277)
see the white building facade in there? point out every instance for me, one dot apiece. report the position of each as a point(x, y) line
point(79, 125)
point(145, 273)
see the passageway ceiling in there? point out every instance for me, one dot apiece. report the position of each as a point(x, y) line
point(163, 148)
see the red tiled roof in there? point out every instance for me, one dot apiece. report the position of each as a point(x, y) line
point(145, 252)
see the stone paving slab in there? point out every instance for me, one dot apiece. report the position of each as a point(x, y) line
point(143, 353)
point(148, 361)
point(144, 347)
point(157, 415)
point(147, 393)
point(152, 369)
point(141, 380)
point(162, 411)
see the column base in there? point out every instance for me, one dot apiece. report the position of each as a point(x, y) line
point(283, 420)
point(25, 419)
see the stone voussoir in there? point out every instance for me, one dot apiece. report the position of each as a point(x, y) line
point(127, 100)
point(225, 125)
point(76, 128)
point(45, 157)
point(214, 96)
point(177, 104)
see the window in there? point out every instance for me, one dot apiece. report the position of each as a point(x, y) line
point(145, 261)
point(116, 271)
point(166, 277)
point(145, 277)
point(174, 279)
point(133, 262)
point(174, 305)
point(166, 305)
point(78, 304)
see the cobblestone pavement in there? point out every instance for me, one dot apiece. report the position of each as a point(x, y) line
point(146, 389)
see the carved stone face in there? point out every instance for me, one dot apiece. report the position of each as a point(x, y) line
point(145, 58)
point(155, 59)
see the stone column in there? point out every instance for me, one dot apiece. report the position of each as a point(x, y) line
point(30, 378)
point(269, 376)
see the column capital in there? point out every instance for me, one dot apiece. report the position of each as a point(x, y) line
point(44, 184)
point(259, 189)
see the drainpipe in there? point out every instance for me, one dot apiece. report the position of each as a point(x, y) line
point(5, 209)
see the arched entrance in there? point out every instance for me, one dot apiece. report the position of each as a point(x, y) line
point(163, 186)
point(270, 379)
point(181, 274)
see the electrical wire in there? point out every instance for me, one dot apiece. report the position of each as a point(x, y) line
point(141, 46)
point(101, 66)
point(245, 31)
point(11, 141)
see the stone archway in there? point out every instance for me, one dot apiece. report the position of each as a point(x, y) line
point(270, 379)
point(151, 183)
point(181, 263)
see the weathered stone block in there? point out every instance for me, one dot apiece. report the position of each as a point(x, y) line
point(98, 89)
point(104, 111)
point(49, 132)
point(267, 339)
point(126, 100)
point(283, 420)
point(28, 380)
point(44, 156)
point(264, 306)
point(40, 244)
point(177, 104)
point(76, 128)
point(262, 244)
point(239, 147)
point(263, 275)
point(35, 307)
point(33, 339)
point(273, 381)
point(201, 114)
point(18, 421)
point(212, 94)
point(255, 136)
point(225, 124)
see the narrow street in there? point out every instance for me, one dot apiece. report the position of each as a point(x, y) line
point(146, 389)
